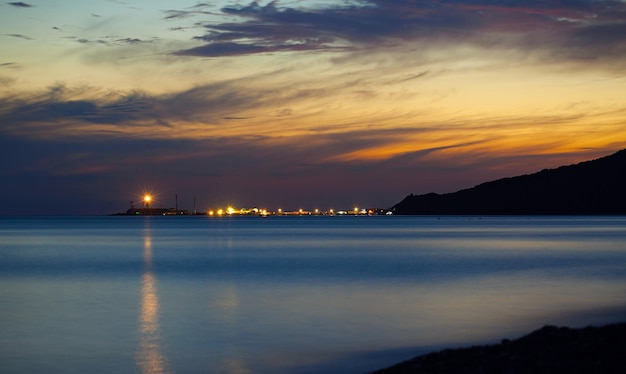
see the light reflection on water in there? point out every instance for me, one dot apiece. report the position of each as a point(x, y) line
point(149, 358)
point(239, 296)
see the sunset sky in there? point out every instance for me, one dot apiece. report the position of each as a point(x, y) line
point(298, 104)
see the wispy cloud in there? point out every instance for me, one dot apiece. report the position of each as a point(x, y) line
point(556, 29)
point(20, 4)
point(237, 49)
point(124, 112)
point(20, 36)
point(225, 110)
point(198, 9)
point(110, 41)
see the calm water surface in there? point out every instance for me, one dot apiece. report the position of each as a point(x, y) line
point(292, 294)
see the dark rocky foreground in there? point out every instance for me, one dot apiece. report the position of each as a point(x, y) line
point(547, 350)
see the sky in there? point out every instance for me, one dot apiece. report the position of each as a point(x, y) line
point(298, 104)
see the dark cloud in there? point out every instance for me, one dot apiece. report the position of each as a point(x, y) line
point(204, 104)
point(89, 41)
point(20, 4)
point(598, 40)
point(111, 41)
point(587, 29)
point(223, 49)
point(131, 41)
point(181, 14)
point(198, 9)
point(236, 49)
point(21, 36)
point(53, 104)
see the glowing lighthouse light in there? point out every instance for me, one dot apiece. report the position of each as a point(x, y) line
point(146, 200)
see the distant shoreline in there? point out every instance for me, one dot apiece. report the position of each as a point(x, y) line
point(547, 350)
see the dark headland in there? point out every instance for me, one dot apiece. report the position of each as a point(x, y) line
point(594, 187)
point(547, 350)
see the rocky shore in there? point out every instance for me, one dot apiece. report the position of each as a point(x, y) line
point(548, 350)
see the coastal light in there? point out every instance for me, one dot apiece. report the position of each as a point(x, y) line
point(147, 198)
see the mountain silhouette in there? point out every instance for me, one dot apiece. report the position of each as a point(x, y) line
point(550, 349)
point(593, 187)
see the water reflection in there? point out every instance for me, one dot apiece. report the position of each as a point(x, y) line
point(235, 366)
point(149, 358)
point(225, 308)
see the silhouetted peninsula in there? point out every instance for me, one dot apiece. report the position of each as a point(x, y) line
point(548, 350)
point(591, 187)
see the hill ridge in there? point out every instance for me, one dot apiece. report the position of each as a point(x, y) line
point(551, 349)
point(593, 187)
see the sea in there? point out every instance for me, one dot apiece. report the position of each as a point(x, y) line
point(293, 294)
